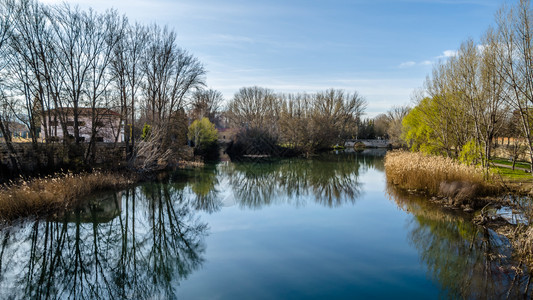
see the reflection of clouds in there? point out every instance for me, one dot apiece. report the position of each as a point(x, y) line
point(466, 260)
point(155, 242)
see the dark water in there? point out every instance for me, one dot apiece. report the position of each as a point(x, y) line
point(327, 228)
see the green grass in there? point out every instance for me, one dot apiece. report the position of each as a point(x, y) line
point(506, 162)
point(515, 175)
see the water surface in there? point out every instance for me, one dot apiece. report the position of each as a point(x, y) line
point(325, 228)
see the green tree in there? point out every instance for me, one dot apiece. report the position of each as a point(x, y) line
point(203, 134)
point(418, 131)
point(147, 129)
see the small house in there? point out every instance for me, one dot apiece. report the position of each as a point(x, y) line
point(108, 124)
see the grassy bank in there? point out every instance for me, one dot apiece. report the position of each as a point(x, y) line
point(52, 194)
point(437, 176)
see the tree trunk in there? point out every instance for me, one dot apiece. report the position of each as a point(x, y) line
point(10, 149)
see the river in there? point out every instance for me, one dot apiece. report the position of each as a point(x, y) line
point(323, 228)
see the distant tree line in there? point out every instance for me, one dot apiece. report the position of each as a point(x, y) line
point(302, 122)
point(483, 92)
point(56, 60)
point(387, 126)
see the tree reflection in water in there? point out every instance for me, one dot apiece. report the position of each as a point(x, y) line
point(141, 243)
point(331, 180)
point(468, 261)
point(154, 241)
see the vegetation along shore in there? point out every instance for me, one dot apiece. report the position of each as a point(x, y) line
point(55, 194)
point(470, 126)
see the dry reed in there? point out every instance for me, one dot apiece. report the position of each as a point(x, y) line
point(55, 193)
point(435, 175)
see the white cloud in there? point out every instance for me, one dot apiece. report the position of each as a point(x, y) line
point(445, 55)
point(407, 64)
point(448, 53)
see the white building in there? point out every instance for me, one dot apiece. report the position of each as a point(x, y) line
point(108, 124)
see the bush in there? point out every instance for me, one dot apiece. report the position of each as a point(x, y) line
point(204, 136)
point(147, 129)
point(254, 141)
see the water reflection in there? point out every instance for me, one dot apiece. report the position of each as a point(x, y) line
point(145, 251)
point(143, 242)
point(468, 261)
point(330, 180)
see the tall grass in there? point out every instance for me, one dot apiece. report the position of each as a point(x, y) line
point(435, 175)
point(53, 194)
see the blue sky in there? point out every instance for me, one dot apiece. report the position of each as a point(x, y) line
point(381, 48)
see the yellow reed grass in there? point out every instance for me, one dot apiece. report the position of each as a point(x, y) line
point(50, 194)
point(413, 170)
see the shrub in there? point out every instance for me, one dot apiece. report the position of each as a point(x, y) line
point(147, 129)
point(255, 141)
point(203, 134)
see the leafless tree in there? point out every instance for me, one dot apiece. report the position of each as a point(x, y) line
point(29, 62)
point(105, 31)
point(171, 74)
point(395, 117)
point(128, 75)
point(206, 103)
point(314, 121)
point(336, 114)
point(72, 29)
point(254, 107)
point(515, 62)
point(6, 20)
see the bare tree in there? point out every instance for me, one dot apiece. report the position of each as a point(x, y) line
point(494, 105)
point(105, 31)
point(171, 75)
point(316, 121)
point(72, 33)
point(515, 62)
point(28, 62)
point(206, 103)
point(128, 73)
point(336, 114)
point(254, 107)
point(6, 19)
point(394, 125)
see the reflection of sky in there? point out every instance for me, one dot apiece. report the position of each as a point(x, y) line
point(286, 251)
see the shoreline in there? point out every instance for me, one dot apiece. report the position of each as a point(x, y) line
point(482, 200)
point(44, 196)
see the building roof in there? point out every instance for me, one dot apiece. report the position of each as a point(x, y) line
point(86, 111)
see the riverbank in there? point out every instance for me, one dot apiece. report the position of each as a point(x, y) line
point(461, 185)
point(60, 192)
point(54, 194)
point(457, 186)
